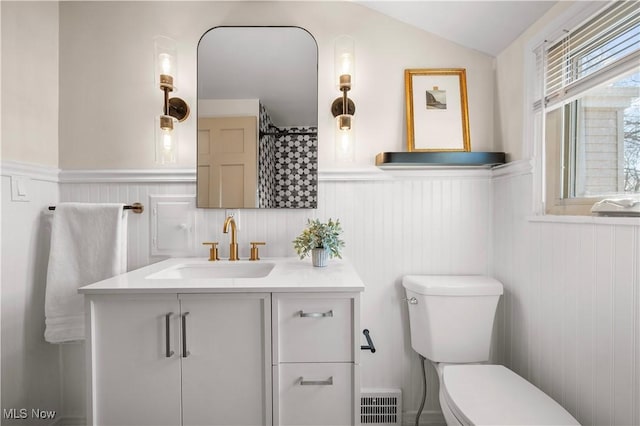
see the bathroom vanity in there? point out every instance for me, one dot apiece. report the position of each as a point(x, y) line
point(191, 342)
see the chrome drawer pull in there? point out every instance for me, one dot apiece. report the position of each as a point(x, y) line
point(304, 314)
point(328, 382)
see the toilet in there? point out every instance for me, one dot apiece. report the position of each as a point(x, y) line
point(451, 321)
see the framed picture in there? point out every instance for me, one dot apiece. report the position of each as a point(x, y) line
point(437, 110)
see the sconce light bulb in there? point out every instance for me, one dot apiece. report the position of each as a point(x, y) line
point(167, 141)
point(166, 63)
point(345, 150)
point(344, 142)
point(344, 62)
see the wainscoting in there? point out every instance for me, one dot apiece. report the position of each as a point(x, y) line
point(31, 375)
point(570, 321)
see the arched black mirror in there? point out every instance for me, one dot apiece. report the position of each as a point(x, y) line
point(257, 118)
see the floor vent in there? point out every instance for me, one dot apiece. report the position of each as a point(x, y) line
point(382, 407)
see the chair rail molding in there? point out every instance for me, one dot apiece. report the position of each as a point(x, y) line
point(326, 175)
point(157, 176)
point(128, 176)
point(33, 171)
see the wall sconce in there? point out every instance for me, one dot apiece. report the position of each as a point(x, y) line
point(174, 109)
point(343, 108)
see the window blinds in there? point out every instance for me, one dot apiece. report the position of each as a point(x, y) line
point(606, 45)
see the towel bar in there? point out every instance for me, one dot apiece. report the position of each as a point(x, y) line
point(136, 207)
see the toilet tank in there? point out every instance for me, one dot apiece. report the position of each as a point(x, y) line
point(451, 317)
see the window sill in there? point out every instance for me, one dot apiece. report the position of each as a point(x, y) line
point(596, 220)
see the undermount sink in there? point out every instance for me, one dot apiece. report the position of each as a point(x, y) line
point(214, 270)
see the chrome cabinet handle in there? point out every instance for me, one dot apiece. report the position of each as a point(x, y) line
point(185, 352)
point(167, 329)
point(412, 301)
point(328, 382)
point(304, 314)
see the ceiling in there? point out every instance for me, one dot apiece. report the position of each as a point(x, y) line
point(486, 26)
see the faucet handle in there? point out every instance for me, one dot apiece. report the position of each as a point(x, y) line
point(254, 249)
point(213, 251)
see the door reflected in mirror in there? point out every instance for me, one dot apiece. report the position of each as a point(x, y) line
point(257, 118)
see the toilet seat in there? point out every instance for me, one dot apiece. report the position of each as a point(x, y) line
point(480, 394)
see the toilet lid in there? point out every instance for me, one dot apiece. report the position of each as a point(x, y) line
point(493, 395)
point(452, 285)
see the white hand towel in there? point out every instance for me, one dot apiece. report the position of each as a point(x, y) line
point(88, 244)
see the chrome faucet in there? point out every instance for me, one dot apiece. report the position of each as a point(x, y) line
point(233, 246)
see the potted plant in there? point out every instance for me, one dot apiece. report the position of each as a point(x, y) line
point(322, 240)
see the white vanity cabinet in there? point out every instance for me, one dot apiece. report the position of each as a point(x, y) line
point(275, 349)
point(316, 353)
point(179, 359)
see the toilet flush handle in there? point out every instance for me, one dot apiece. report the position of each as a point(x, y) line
point(412, 300)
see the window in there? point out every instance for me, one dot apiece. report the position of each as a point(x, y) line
point(590, 102)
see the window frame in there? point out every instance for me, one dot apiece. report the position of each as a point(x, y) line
point(549, 154)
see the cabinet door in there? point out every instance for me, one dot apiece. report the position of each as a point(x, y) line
point(226, 372)
point(133, 380)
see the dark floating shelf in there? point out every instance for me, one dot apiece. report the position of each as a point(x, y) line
point(431, 159)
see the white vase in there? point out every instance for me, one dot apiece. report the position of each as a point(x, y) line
point(319, 256)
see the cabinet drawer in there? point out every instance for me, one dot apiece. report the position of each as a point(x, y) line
point(314, 394)
point(314, 328)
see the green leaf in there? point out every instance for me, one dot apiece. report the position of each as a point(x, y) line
point(319, 235)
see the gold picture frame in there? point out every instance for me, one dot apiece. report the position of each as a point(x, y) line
point(437, 110)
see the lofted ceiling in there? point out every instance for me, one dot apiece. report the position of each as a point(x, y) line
point(486, 26)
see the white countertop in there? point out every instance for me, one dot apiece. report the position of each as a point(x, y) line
point(288, 275)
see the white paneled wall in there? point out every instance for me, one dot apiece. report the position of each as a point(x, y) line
point(30, 366)
point(431, 224)
point(570, 318)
